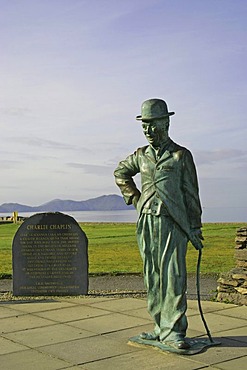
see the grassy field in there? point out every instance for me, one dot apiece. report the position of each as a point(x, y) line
point(113, 248)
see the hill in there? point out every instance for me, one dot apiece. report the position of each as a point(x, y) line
point(111, 202)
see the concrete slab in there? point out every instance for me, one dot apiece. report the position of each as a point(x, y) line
point(238, 363)
point(38, 337)
point(76, 368)
point(22, 322)
point(215, 322)
point(30, 360)
point(8, 312)
point(208, 306)
point(239, 334)
point(7, 346)
point(87, 299)
point(239, 312)
point(228, 350)
point(37, 306)
point(88, 350)
point(140, 312)
point(109, 323)
point(122, 304)
point(124, 335)
point(144, 360)
point(73, 313)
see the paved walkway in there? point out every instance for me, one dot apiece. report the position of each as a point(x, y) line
point(92, 333)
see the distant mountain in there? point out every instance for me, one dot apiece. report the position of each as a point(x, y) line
point(11, 207)
point(103, 203)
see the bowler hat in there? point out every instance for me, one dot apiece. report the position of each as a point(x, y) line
point(153, 109)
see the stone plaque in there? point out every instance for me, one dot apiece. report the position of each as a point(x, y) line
point(50, 257)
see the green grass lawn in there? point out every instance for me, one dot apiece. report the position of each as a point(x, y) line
point(113, 248)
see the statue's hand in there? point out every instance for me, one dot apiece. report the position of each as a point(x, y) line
point(135, 200)
point(196, 238)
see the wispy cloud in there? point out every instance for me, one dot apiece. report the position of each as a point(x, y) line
point(214, 156)
point(9, 164)
point(42, 143)
point(15, 111)
point(97, 170)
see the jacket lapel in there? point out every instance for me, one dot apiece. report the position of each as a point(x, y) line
point(150, 153)
point(168, 152)
point(165, 156)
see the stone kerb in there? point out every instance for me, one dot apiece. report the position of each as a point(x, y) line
point(50, 256)
point(232, 286)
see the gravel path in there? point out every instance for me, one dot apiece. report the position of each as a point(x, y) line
point(133, 285)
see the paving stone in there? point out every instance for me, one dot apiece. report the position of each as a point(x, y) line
point(144, 359)
point(87, 350)
point(215, 322)
point(122, 304)
point(7, 346)
point(109, 323)
point(30, 360)
point(124, 335)
point(73, 313)
point(238, 364)
point(48, 335)
point(40, 306)
point(238, 334)
point(140, 312)
point(228, 350)
point(210, 306)
point(22, 322)
point(238, 312)
point(7, 312)
point(87, 299)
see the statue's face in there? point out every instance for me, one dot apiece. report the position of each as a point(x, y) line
point(156, 131)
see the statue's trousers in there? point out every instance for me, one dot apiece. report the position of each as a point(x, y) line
point(163, 247)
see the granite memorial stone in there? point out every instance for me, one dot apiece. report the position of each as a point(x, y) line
point(50, 257)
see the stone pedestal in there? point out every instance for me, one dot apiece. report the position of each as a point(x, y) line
point(232, 286)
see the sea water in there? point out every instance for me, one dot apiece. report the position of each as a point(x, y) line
point(226, 214)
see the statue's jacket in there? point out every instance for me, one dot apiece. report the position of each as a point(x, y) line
point(169, 184)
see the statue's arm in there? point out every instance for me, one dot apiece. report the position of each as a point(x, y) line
point(124, 174)
point(192, 200)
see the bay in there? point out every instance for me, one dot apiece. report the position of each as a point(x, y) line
point(97, 216)
point(211, 214)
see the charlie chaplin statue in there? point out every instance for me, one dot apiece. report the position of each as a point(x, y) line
point(169, 213)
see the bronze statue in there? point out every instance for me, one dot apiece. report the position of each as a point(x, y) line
point(169, 212)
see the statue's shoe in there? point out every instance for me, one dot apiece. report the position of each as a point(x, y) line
point(179, 344)
point(182, 345)
point(149, 336)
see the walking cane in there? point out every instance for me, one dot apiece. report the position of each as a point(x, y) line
point(198, 294)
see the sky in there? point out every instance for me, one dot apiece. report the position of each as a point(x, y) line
point(74, 74)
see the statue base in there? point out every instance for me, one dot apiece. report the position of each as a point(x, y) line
point(196, 345)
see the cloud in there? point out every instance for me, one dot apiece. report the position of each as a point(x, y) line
point(42, 143)
point(98, 170)
point(15, 111)
point(9, 164)
point(8, 187)
point(214, 156)
point(222, 192)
